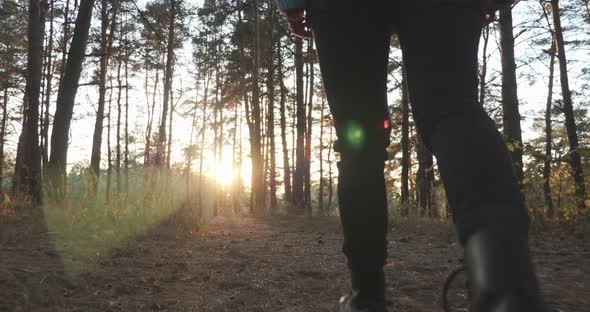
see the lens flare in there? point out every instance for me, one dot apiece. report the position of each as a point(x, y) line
point(355, 135)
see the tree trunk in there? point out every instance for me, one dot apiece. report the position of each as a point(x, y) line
point(271, 112)
point(172, 108)
point(3, 138)
point(424, 179)
point(215, 185)
point(330, 179)
point(298, 177)
point(66, 33)
point(189, 151)
point(48, 89)
point(28, 168)
point(511, 116)
point(309, 124)
point(235, 185)
point(568, 110)
point(109, 149)
point(256, 148)
point(250, 124)
point(27, 176)
point(203, 131)
point(126, 115)
point(160, 149)
point(66, 97)
point(548, 136)
point(321, 145)
point(484, 66)
point(283, 122)
point(151, 113)
point(405, 192)
point(106, 44)
point(118, 128)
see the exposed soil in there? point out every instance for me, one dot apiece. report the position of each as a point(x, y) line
point(278, 264)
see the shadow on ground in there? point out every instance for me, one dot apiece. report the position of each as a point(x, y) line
point(278, 264)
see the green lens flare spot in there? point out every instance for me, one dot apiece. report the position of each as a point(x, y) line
point(355, 136)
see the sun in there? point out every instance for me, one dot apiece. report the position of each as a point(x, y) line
point(224, 174)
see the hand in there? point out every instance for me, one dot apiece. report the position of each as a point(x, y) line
point(297, 23)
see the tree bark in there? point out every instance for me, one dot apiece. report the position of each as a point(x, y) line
point(271, 111)
point(484, 66)
point(151, 113)
point(256, 148)
point(283, 124)
point(126, 114)
point(48, 90)
point(330, 179)
point(189, 151)
point(298, 177)
point(548, 136)
point(118, 127)
point(3, 138)
point(106, 44)
point(171, 121)
point(405, 192)
point(28, 168)
point(321, 145)
point(309, 124)
point(108, 188)
point(568, 110)
point(160, 149)
point(425, 180)
point(64, 43)
point(511, 116)
point(203, 131)
point(66, 97)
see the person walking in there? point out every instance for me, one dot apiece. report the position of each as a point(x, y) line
point(439, 41)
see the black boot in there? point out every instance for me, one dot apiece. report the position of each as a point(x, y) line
point(367, 295)
point(501, 275)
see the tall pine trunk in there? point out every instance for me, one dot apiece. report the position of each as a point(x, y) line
point(3, 137)
point(309, 123)
point(108, 188)
point(283, 123)
point(256, 141)
point(511, 114)
point(106, 44)
point(189, 151)
point(330, 178)
point(170, 128)
point(28, 167)
point(405, 191)
point(298, 177)
point(203, 132)
point(126, 160)
point(424, 179)
point(48, 90)
point(271, 112)
point(151, 113)
point(568, 110)
point(484, 66)
point(321, 160)
point(118, 127)
point(548, 136)
point(66, 97)
point(160, 148)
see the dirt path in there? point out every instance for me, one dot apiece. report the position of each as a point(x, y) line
point(262, 265)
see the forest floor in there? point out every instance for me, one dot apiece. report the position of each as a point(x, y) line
point(268, 264)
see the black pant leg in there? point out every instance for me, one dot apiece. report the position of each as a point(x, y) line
point(353, 48)
point(440, 47)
